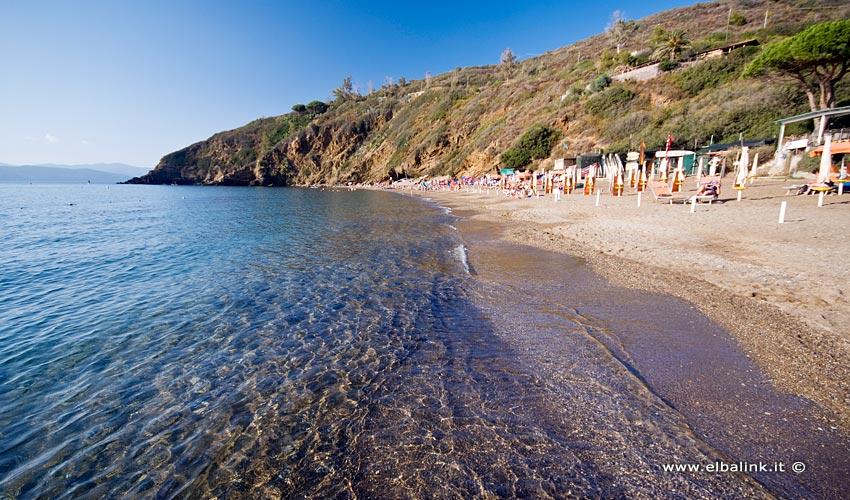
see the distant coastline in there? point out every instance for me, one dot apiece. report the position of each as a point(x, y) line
point(105, 173)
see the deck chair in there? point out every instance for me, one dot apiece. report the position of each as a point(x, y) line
point(661, 191)
point(707, 198)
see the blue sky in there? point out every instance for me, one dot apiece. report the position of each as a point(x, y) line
point(130, 81)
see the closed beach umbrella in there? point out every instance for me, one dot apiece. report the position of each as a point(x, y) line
point(741, 175)
point(618, 184)
point(825, 160)
point(754, 170)
point(662, 169)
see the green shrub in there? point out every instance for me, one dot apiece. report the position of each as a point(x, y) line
point(668, 65)
point(299, 108)
point(316, 107)
point(516, 158)
point(714, 72)
point(606, 59)
point(600, 83)
point(535, 143)
point(609, 102)
point(641, 57)
point(737, 19)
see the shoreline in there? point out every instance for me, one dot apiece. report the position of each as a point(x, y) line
point(756, 278)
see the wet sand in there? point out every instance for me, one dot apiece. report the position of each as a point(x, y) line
point(760, 374)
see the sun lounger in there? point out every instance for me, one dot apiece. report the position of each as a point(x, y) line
point(707, 198)
point(704, 199)
point(795, 189)
point(661, 192)
point(811, 189)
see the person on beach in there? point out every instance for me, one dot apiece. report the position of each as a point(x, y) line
point(709, 189)
point(807, 188)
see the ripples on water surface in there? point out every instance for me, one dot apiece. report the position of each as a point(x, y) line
point(164, 340)
point(251, 343)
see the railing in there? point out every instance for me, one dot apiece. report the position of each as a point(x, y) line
point(842, 134)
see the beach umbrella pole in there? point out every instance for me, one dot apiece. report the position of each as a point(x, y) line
point(782, 208)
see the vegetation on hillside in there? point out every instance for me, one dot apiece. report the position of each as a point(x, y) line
point(535, 144)
point(817, 58)
point(476, 119)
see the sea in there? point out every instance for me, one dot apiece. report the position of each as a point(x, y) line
point(223, 342)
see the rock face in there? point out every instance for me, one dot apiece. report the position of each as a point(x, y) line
point(316, 154)
point(462, 121)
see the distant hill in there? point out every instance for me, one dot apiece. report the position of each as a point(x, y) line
point(112, 168)
point(463, 121)
point(68, 174)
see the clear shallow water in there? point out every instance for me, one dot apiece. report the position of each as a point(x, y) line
point(160, 340)
point(262, 343)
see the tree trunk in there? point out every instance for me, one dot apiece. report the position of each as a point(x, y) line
point(813, 103)
point(827, 95)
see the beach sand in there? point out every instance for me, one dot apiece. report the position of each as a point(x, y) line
point(781, 290)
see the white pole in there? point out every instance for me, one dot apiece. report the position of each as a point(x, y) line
point(739, 195)
point(597, 197)
point(782, 212)
point(693, 204)
point(639, 193)
point(820, 199)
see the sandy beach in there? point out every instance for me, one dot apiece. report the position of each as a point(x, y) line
point(781, 290)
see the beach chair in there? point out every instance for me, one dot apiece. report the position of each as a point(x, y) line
point(795, 189)
point(707, 198)
point(661, 191)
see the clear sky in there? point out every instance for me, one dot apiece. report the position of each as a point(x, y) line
point(130, 81)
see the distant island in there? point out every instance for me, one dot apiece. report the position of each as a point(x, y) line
point(97, 173)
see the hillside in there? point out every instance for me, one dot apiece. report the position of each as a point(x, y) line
point(462, 121)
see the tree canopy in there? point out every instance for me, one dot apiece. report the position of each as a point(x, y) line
point(346, 90)
point(669, 43)
point(620, 30)
point(316, 107)
point(507, 57)
point(817, 58)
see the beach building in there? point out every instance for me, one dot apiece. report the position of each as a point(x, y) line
point(790, 151)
